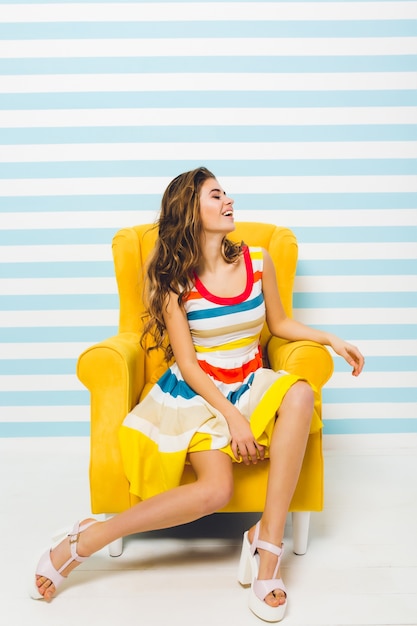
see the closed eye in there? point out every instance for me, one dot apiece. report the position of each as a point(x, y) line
point(218, 192)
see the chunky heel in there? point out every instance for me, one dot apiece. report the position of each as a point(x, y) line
point(244, 574)
point(248, 573)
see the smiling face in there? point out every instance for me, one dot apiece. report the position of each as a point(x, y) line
point(216, 208)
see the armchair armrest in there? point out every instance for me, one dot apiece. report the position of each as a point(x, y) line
point(304, 358)
point(113, 371)
point(114, 367)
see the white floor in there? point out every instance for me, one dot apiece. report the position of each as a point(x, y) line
point(360, 568)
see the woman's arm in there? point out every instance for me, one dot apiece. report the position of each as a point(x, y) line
point(282, 326)
point(178, 330)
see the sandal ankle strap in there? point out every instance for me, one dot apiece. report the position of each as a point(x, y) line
point(265, 545)
point(74, 536)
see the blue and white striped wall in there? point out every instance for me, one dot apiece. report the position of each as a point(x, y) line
point(307, 113)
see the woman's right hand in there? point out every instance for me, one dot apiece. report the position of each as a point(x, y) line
point(243, 444)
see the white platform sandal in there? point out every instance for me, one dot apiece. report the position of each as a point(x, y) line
point(248, 575)
point(45, 566)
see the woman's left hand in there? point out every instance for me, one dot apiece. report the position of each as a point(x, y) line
point(350, 353)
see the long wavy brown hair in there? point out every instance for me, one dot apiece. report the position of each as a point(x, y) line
point(177, 255)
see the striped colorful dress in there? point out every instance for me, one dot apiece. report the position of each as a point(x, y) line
point(173, 420)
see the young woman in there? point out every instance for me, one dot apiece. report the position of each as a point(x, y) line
point(208, 299)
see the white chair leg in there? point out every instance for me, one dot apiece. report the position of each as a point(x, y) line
point(300, 527)
point(115, 547)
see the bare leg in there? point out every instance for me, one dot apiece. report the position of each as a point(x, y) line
point(210, 492)
point(287, 451)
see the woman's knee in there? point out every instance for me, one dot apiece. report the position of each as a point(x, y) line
point(300, 396)
point(214, 495)
point(214, 475)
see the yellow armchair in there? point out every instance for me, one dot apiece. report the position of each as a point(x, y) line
point(118, 372)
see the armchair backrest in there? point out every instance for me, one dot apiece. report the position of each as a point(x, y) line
point(131, 248)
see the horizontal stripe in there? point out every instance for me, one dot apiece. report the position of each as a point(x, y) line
point(37, 366)
point(47, 398)
point(96, 203)
point(355, 283)
point(23, 383)
point(53, 319)
point(259, 184)
point(390, 394)
point(54, 325)
point(90, 334)
point(368, 426)
point(239, 344)
point(376, 410)
point(75, 398)
point(361, 316)
point(370, 347)
point(35, 286)
point(38, 383)
point(58, 286)
point(318, 167)
point(68, 366)
point(388, 341)
point(340, 381)
point(352, 299)
point(198, 99)
point(291, 218)
point(53, 253)
point(60, 321)
point(93, 333)
point(169, 384)
point(204, 29)
point(171, 442)
point(25, 276)
point(247, 305)
point(386, 348)
point(70, 350)
point(233, 376)
point(272, 155)
point(295, 116)
point(176, 11)
point(86, 219)
point(361, 250)
point(383, 364)
point(65, 414)
point(82, 429)
point(356, 234)
point(370, 332)
point(197, 46)
point(240, 64)
point(75, 301)
point(212, 330)
point(108, 319)
point(356, 267)
point(374, 380)
point(307, 251)
point(330, 201)
point(320, 234)
point(74, 269)
point(211, 134)
point(303, 285)
point(55, 236)
point(44, 429)
point(164, 82)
